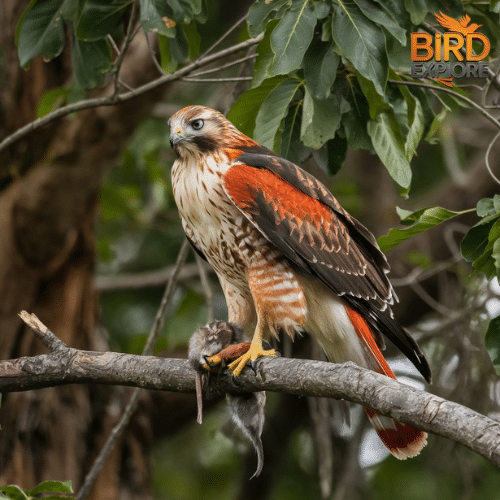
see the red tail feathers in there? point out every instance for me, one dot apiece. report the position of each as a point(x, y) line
point(402, 440)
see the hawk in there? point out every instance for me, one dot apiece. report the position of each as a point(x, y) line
point(289, 258)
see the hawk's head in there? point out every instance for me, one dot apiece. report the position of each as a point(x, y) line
point(197, 130)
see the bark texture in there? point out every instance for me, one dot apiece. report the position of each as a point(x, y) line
point(49, 191)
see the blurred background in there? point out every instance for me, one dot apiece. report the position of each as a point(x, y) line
point(89, 234)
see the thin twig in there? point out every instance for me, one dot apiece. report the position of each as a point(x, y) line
point(153, 55)
point(111, 100)
point(113, 44)
point(219, 80)
point(431, 301)
point(487, 161)
point(207, 290)
point(418, 274)
point(224, 36)
point(224, 66)
point(126, 42)
point(454, 94)
point(118, 429)
point(42, 332)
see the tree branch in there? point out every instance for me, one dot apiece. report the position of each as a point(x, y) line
point(431, 413)
point(113, 99)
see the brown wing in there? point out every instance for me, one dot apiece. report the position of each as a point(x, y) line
point(296, 213)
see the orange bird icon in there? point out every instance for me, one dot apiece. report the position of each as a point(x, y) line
point(458, 26)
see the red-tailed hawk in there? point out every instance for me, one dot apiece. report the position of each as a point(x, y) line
point(288, 256)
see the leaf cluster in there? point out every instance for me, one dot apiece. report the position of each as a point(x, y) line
point(326, 76)
point(47, 25)
point(49, 490)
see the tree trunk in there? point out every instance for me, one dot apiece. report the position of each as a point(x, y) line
point(49, 191)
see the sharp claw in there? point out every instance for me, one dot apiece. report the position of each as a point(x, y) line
point(213, 360)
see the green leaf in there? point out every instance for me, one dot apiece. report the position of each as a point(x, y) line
point(41, 30)
point(52, 487)
point(320, 68)
point(481, 246)
point(354, 121)
point(417, 10)
point(492, 342)
point(331, 156)
point(260, 13)
point(72, 9)
point(476, 240)
point(389, 150)
point(291, 146)
point(362, 42)
point(321, 10)
point(52, 99)
point(291, 38)
point(244, 111)
point(154, 20)
point(320, 120)
point(488, 206)
point(193, 38)
point(416, 123)
point(379, 16)
point(91, 62)
point(273, 110)
point(13, 492)
point(100, 18)
point(167, 63)
point(179, 47)
point(265, 56)
point(421, 220)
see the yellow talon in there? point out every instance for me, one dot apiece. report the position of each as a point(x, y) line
point(212, 361)
point(256, 351)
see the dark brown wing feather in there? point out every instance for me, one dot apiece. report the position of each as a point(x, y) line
point(298, 214)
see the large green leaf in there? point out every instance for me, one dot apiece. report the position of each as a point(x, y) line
point(265, 56)
point(417, 10)
point(389, 150)
point(244, 111)
point(179, 46)
point(320, 68)
point(260, 13)
point(378, 15)
point(273, 110)
point(291, 146)
point(52, 487)
point(291, 38)
point(100, 18)
point(155, 20)
point(331, 156)
point(320, 120)
point(91, 62)
point(492, 342)
point(40, 30)
point(420, 221)
point(362, 42)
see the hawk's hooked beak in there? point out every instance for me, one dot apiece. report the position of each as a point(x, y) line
point(176, 135)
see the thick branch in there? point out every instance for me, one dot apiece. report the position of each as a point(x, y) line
point(301, 377)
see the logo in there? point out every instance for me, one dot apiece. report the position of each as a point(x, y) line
point(457, 41)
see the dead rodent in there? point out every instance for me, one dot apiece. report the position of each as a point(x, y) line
point(226, 340)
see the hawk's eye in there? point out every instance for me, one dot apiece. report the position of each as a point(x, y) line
point(197, 124)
